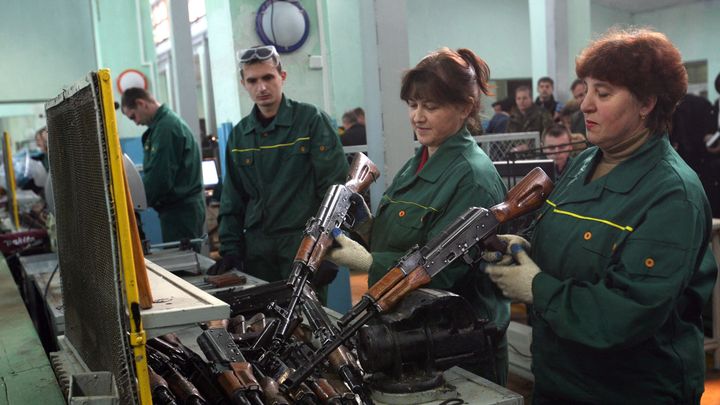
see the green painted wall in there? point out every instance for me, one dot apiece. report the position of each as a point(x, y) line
point(694, 29)
point(602, 18)
point(344, 55)
point(222, 49)
point(122, 44)
point(498, 31)
point(67, 40)
point(579, 31)
point(44, 46)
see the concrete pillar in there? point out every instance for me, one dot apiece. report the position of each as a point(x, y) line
point(385, 49)
point(183, 66)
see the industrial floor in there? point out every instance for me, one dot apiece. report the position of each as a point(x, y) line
point(25, 373)
point(358, 285)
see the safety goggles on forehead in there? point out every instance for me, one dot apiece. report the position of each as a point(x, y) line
point(259, 53)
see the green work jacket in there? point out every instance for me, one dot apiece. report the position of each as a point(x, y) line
point(277, 176)
point(171, 171)
point(617, 306)
point(535, 118)
point(416, 207)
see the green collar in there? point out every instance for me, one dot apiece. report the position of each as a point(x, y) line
point(440, 161)
point(628, 173)
point(159, 114)
point(282, 119)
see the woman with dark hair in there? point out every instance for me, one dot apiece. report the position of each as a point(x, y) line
point(448, 174)
point(619, 269)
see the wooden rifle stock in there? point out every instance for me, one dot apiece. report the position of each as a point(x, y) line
point(526, 196)
point(361, 174)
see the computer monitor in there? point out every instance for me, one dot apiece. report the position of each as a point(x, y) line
point(210, 173)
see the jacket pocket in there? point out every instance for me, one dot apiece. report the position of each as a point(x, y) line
point(301, 148)
point(649, 258)
point(598, 238)
point(244, 159)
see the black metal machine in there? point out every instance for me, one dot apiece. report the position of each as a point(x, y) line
point(406, 350)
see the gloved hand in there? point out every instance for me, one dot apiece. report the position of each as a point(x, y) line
point(350, 253)
point(363, 218)
point(226, 263)
point(324, 275)
point(515, 280)
point(492, 256)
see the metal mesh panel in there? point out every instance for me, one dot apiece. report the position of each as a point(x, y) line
point(95, 315)
point(501, 146)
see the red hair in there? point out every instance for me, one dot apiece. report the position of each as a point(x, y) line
point(643, 61)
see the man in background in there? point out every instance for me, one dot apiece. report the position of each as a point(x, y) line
point(526, 116)
point(556, 142)
point(281, 159)
point(354, 131)
point(577, 121)
point(172, 173)
point(545, 98)
point(360, 114)
point(499, 121)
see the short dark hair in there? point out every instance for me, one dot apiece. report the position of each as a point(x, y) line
point(449, 77)
point(350, 117)
point(359, 112)
point(546, 79)
point(523, 87)
point(576, 83)
point(132, 95)
point(643, 61)
point(505, 104)
point(556, 131)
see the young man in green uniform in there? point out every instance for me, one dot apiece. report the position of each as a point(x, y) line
point(171, 166)
point(281, 159)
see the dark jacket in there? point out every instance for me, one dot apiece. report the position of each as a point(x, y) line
point(355, 135)
point(534, 119)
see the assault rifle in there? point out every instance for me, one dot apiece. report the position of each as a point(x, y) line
point(341, 359)
point(419, 265)
point(233, 372)
point(334, 212)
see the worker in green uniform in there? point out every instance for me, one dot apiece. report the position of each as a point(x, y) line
point(281, 159)
point(620, 266)
point(447, 175)
point(171, 166)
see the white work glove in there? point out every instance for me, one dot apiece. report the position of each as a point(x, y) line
point(515, 280)
point(504, 258)
point(350, 254)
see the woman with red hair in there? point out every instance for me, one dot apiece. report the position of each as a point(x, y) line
point(619, 268)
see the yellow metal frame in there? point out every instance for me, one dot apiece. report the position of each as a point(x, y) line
point(12, 193)
point(117, 173)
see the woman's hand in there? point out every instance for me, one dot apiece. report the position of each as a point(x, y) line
point(504, 258)
point(515, 280)
point(350, 253)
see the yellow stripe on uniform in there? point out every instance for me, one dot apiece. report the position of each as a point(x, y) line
point(411, 203)
point(280, 145)
point(578, 216)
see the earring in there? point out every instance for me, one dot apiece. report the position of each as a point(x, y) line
point(643, 116)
